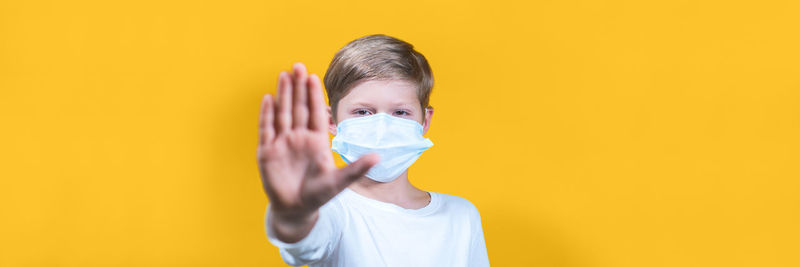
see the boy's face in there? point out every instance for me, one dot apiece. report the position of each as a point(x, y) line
point(394, 97)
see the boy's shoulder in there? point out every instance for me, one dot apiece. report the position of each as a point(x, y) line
point(458, 204)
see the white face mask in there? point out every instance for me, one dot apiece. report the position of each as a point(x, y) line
point(398, 141)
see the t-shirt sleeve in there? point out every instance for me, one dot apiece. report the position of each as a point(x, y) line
point(318, 244)
point(478, 256)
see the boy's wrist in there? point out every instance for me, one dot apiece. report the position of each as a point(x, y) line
point(293, 217)
point(293, 228)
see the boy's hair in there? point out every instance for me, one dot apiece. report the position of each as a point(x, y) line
point(377, 57)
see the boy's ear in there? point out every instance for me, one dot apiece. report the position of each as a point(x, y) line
point(331, 123)
point(428, 115)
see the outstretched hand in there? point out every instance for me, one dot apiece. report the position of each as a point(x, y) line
point(294, 156)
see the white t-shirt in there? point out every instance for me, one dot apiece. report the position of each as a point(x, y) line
point(354, 230)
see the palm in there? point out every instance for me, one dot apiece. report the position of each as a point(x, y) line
point(295, 166)
point(297, 170)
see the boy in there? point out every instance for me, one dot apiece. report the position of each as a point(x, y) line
point(367, 213)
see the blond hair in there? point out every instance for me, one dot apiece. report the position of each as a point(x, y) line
point(377, 57)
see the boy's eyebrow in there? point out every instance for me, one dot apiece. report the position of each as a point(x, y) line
point(362, 104)
point(403, 104)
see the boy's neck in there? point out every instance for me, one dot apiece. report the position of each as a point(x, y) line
point(399, 191)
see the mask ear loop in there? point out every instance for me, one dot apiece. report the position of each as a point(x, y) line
point(424, 115)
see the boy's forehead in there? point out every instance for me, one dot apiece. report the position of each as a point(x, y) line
point(395, 92)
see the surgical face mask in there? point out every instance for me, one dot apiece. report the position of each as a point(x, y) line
point(398, 141)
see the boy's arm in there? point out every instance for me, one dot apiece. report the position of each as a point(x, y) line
point(297, 170)
point(478, 256)
point(318, 243)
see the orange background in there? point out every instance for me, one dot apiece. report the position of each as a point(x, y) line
point(587, 133)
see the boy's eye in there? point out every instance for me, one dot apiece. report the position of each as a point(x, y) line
point(362, 112)
point(402, 113)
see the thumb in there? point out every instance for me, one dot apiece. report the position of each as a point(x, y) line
point(350, 173)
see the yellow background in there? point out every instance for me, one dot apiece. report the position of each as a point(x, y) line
point(587, 133)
